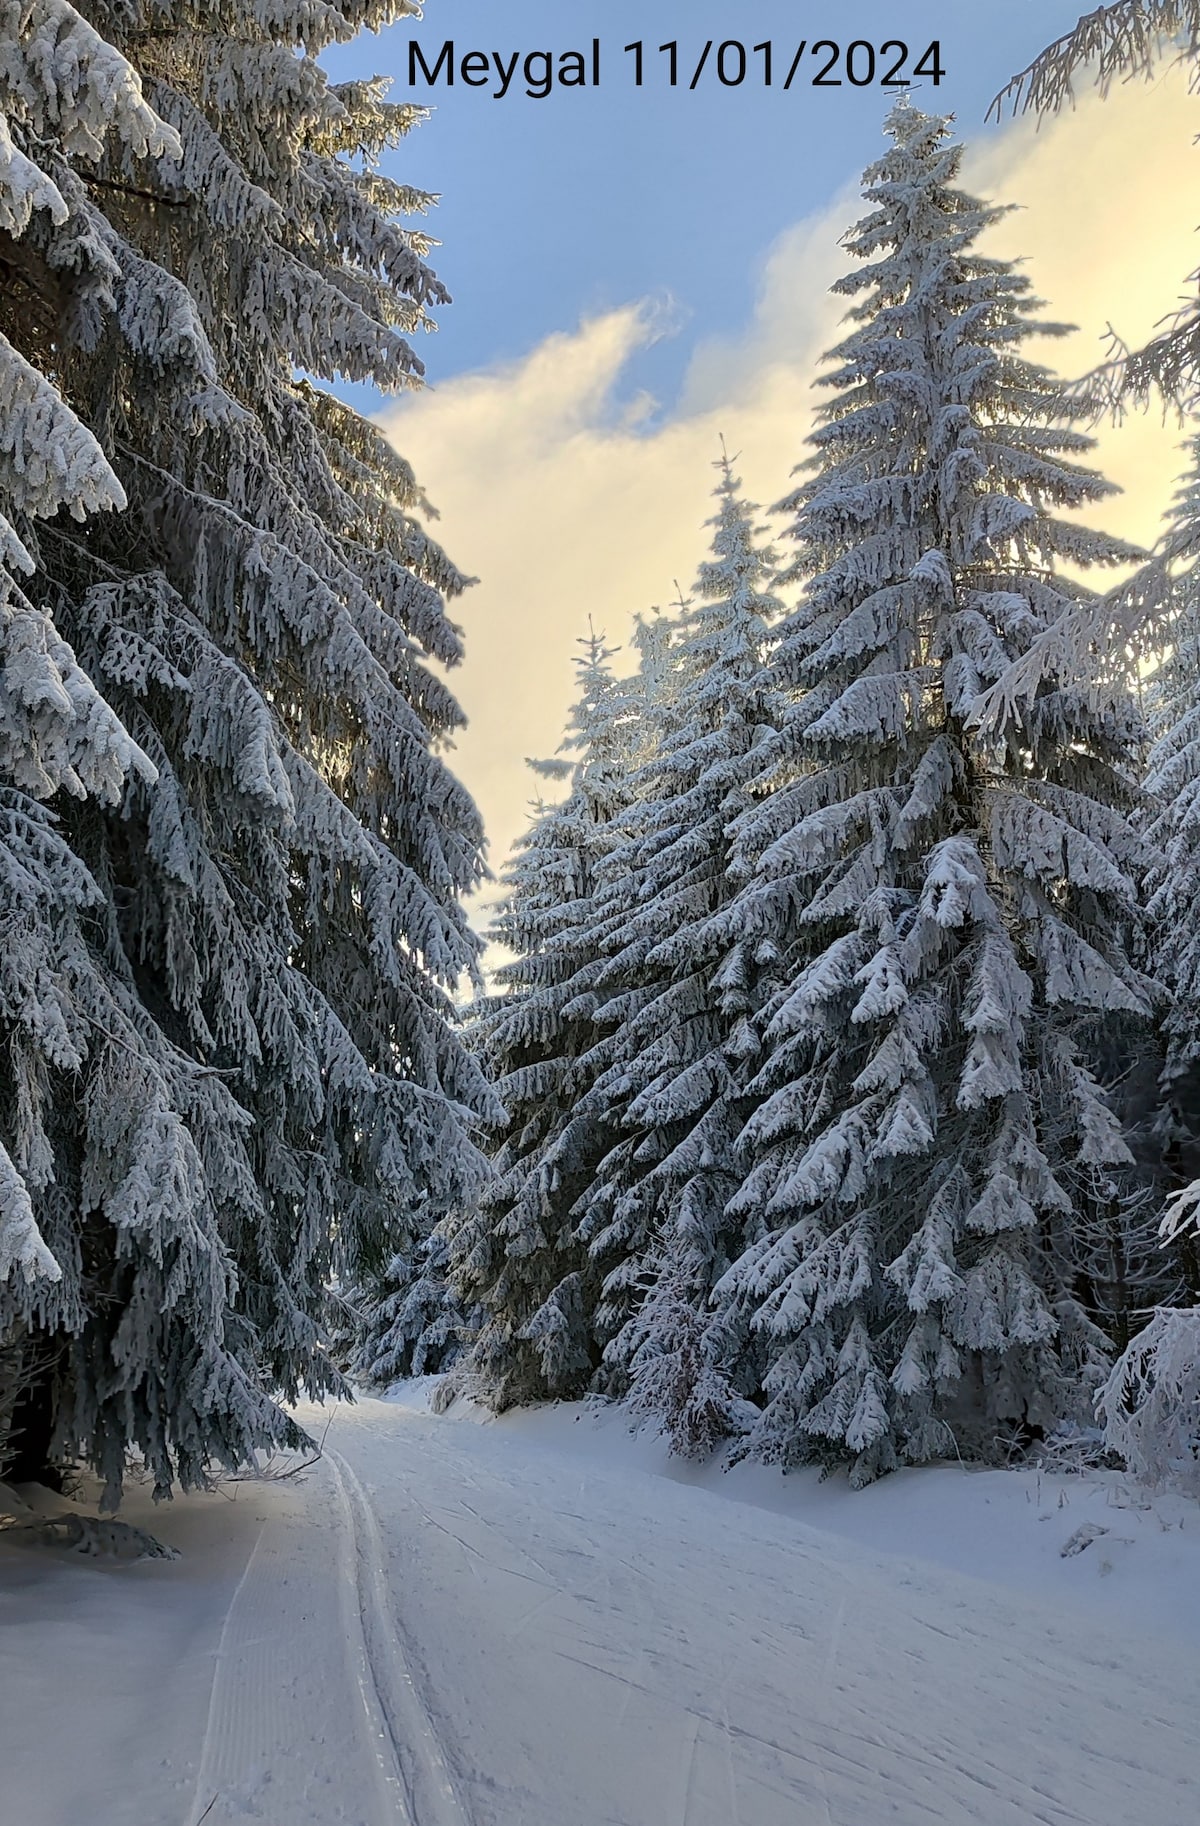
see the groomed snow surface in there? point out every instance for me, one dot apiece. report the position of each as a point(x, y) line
point(538, 1621)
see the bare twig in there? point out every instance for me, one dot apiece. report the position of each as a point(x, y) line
point(280, 1477)
point(135, 190)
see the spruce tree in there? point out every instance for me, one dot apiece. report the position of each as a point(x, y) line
point(514, 1253)
point(407, 1320)
point(952, 905)
point(1173, 789)
point(1150, 1404)
point(680, 976)
point(228, 966)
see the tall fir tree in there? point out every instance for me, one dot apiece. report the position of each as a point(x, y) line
point(653, 1217)
point(514, 1254)
point(1151, 1396)
point(953, 906)
point(227, 966)
point(1173, 789)
point(407, 1320)
point(1151, 1404)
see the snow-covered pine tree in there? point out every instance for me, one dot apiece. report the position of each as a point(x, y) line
point(514, 1254)
point(1151, 1404)
point(408, 1319)
point(1173, 790)
point(56, 733)
point(226, 972)
point(1147, 1397)
point(681, 980)
point(653, 684)
point(953, 908)
point(1100, 643)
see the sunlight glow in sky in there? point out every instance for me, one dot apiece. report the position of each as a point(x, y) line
point(638, 272)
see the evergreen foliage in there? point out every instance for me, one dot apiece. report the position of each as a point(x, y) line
point(954, 906)
point(1173, 787)
point(515, 1254)
point(231, 856)
point(680, 973)
point(1149, 1405)
point(817, 986)
point(1145, 1397)
point(409, 1321)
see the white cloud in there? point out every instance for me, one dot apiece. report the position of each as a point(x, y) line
point(568, 506)
point(794, 315)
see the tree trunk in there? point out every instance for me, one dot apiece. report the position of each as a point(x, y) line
point(30, 1430)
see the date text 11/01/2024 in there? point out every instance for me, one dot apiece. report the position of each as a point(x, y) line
point(820, 64)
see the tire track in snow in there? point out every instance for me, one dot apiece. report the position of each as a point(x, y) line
point(387, 1680)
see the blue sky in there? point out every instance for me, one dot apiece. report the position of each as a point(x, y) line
point(640, 273)
point(558, 209)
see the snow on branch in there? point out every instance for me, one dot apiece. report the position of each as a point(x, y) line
point(1182, 1213)
point(24, 187)
point(1150, 1405)
point(1118, 43)
point(66, 80)
point(1092, 648)
point(1123, 43)
point(22, 1250)
point(48, 458)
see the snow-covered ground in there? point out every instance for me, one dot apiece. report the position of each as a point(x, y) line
point(539, 1622)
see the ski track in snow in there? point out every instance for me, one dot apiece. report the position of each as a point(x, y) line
point(274, 1680)
point(390, 1694)
point(441, 1624)
point(275, 1694)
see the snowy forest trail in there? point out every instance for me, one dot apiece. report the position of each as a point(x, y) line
point(443, 1624)
point(601, 1646)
